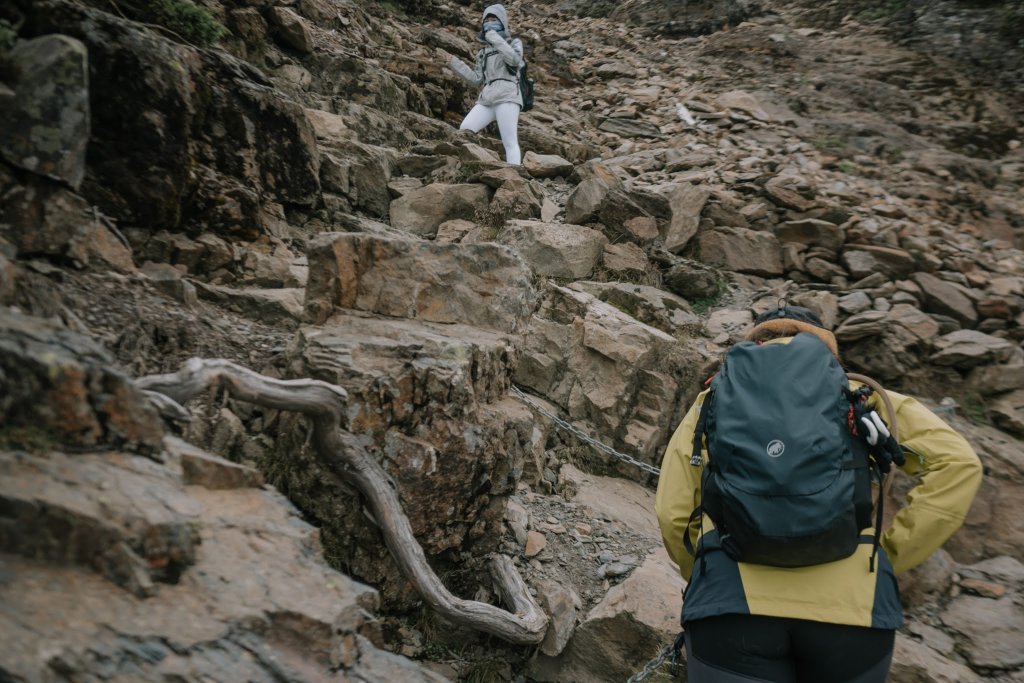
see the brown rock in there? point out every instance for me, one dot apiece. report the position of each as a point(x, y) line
point(812, 233)
point(693, 280)
point(996, 379)
point(785, 197)
point(455, 230)
point(486, 285)
point(863, 259)
point(48, 220)
point(46, 128)
point(685, 204)
point(561, 604)
point(535, 543)
point(985, 589)
point(292, 29)
point(1008, 412)
point(916, 322)
point(914, 662)
point(555, 249)
point(615, 638)
point(745, 251)
point(992, 630)
point(968, 348)
point(1005, 307)
point(945, 298)
point(421, 211)
point(649, 305)
point(60, 386)
point(642, 229)
point(625, 259)
point(604, 368)
point(546, 165)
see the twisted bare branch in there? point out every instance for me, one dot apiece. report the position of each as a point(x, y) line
point(324, 403)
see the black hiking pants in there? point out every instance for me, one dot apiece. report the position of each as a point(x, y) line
point(745, 648)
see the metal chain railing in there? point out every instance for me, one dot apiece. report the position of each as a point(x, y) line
point(582, 436)
point(651, 666)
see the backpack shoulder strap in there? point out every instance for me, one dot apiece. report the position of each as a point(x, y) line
point(700, 430)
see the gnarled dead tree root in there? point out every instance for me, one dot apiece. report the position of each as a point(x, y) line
point(324, 403)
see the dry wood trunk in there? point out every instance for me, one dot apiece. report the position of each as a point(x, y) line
point(324, 404)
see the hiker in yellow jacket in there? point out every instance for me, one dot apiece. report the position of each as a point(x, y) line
point(825, 623)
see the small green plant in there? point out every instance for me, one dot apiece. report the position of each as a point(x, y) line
point(8, 36)
point(704, 304)
point(882, 11)
point(598, 9)
point(488, 670)
point(894, 155)
point(846, 166)
point(975, 409)
point(1011, 22)
point(28, 438)
point(831, 143)
point(189, 20)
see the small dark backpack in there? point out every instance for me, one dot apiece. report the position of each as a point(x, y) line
point(788, 479)
point(525, 87)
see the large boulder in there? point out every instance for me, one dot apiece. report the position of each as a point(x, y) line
point(485, 285)
point(864, 259)
point(60, 387)
point(421, 211)
point(946, 298)
point(741, 250)
point(812, 232)
point(251, 602)
point(617, 637)
point(607, 370)
point(966, 349)
point(44, 219)
point(600, 197)
point(360, 172)
point(685, 203)
point(181, 135)
point(992, 630)
point(46, 128)
point(555, 249)
point(430, 401)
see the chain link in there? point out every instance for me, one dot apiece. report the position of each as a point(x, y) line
point(651, 666)
point(582, 436)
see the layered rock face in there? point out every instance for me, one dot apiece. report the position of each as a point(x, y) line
point(421, 335)
point(156, 559)
point(294, 196)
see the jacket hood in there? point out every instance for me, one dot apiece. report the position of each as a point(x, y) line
point(498, 11)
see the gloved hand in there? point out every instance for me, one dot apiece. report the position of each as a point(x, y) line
point(493, 37)
point(883, 447)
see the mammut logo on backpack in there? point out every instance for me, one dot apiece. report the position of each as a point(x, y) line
point(775, 448)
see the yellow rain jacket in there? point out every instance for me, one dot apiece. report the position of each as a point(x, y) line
point(840, 592)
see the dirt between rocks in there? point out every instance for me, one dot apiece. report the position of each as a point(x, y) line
point(147, 331)
point(585, 549)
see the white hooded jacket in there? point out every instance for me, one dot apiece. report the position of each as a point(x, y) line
point(497, 64)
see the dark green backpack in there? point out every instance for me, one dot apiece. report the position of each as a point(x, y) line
point(788, 479)
point(525, 86)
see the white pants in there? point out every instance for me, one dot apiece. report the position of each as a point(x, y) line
point(507, 115)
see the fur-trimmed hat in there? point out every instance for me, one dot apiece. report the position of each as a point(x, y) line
point(787, 321)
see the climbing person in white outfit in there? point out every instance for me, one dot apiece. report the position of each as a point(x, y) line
point(497, 70)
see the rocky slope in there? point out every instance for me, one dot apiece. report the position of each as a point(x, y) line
point(282, 185)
